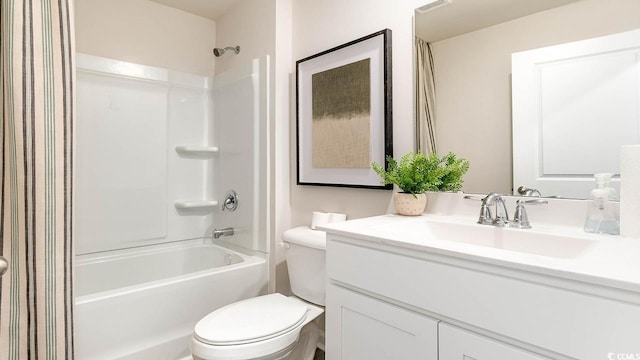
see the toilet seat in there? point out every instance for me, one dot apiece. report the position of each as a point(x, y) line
point(250, 328)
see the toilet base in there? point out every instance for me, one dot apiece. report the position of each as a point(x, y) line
point(283, 354)
point(305, 347)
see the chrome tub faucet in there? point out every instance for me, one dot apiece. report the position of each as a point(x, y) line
point(218, 233)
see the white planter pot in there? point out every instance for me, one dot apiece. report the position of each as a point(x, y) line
point(409, 204)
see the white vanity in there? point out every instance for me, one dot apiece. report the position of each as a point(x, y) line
point(439, 286)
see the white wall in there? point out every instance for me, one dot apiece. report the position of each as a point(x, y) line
point(473, 81)
point(321, 25)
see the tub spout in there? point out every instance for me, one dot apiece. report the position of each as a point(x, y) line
point(217, 233)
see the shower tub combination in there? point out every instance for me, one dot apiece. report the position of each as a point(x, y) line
point(144, 274)
point(144, 304)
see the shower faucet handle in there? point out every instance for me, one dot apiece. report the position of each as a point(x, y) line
point(230, 201)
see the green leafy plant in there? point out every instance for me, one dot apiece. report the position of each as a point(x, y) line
point(416, 173)
point(455, 167)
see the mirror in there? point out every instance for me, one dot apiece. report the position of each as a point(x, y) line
point(472, 42)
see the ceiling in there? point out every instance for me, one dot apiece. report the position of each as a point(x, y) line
point(211, 9)
point(463, 16)
point(458, 17)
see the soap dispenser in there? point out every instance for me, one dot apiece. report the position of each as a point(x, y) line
point(603, 181)
point(602, 217)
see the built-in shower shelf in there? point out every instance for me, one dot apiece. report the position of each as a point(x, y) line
point(196, 204)
point(197, 150)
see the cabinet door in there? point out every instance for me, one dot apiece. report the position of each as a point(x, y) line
point(360, 327)
point(458, 344)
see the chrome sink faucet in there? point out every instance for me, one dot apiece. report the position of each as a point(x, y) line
point(493, 211)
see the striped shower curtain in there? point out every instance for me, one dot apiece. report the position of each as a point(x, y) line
point(425, 98)
point(37, 77)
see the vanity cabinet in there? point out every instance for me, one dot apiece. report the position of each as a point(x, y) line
point(386, 301)
point(370, 329)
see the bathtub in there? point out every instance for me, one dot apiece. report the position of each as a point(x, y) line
point(143, 304)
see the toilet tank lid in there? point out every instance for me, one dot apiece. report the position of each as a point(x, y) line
point(304, 236)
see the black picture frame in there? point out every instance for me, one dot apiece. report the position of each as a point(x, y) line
point(344, 113)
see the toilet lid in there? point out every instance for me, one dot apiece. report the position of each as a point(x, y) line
point(251, 320)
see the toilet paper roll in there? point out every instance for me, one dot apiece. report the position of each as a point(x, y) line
point(337, 217)
point(319, 218)
point(630, 191)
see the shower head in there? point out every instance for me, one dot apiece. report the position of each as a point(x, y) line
point(220, 51)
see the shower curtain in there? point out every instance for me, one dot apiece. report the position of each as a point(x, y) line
point(37, 77)
point(425, 98)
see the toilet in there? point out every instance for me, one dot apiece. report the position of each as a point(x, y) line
point(274, 326)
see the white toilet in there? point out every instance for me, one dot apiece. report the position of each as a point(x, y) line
point(271, 327)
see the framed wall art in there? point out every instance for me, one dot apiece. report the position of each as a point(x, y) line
point(344, 113)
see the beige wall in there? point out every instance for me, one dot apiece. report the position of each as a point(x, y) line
point(320, 25)
point(473, 81)
point(144, 32)
point(251, 25)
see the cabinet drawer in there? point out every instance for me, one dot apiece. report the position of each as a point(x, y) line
point(457, 344)
point(359, 327)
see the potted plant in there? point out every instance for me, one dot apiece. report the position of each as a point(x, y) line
point(417, 173)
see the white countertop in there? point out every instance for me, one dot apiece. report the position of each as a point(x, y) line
point(610, 261)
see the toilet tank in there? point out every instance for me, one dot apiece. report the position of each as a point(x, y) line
point(305, 253)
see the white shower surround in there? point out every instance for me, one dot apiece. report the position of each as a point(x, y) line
point(128, 173)
point(145, 270)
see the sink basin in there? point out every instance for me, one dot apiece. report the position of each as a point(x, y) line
point(523, 241)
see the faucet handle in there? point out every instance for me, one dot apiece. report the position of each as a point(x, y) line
point(486, 217)
point(231, 201)
point(520, 217)
point(532, 202)
point(474, 197)
point(525, 191)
